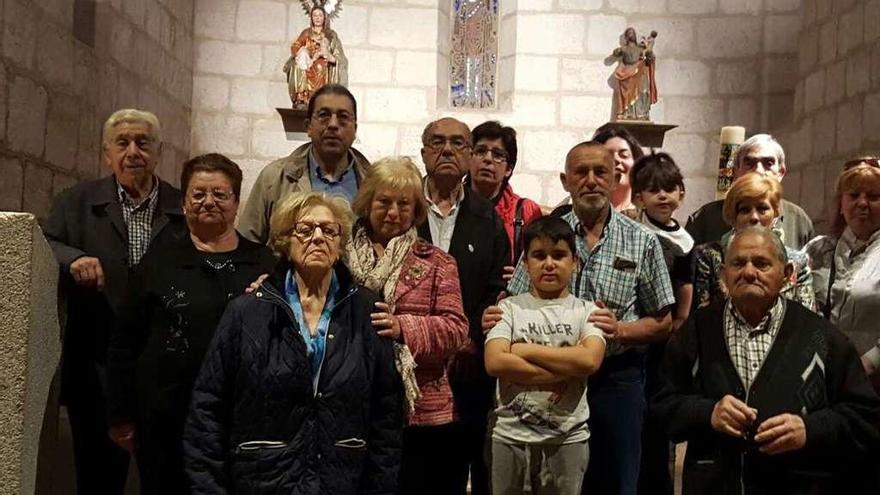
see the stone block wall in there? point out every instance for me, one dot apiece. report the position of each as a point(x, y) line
point(720, 62)
point(837, 98)
point(65, 65)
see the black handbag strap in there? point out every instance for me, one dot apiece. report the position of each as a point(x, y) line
point(517, 230)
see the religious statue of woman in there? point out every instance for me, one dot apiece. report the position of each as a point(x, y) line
point(636, 86)
point(316, 58)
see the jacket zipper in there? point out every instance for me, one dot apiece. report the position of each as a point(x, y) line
point(324, 356)
point(279, 301)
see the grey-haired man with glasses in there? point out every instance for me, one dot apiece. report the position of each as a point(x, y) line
point(327, 163)
point(465, 225)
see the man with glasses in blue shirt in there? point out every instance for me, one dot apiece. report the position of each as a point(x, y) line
point(326, 164)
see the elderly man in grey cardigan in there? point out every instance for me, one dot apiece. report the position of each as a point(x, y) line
point(771, 398)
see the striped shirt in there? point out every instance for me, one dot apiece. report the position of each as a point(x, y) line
point(625, 269)
point(138, 221)
point(747, 345)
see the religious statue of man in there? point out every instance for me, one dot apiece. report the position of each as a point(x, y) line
point(636, 87)
point(316, 55)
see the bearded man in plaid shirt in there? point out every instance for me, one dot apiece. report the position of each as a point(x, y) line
point(623, 271)
point(770, 397)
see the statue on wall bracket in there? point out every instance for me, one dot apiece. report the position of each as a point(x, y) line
point(636, 88)
point(316, 55)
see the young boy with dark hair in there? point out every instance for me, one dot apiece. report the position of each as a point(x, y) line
point(658, 190)
point(542, 352)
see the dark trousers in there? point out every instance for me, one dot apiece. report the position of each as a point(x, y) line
point(430, 461)
point(473, 401)
point(616, 395)
point(655, 476)
point(159, 456)
point(101, 466)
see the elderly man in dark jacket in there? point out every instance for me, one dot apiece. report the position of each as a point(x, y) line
point(98, 231)
point(769, 396)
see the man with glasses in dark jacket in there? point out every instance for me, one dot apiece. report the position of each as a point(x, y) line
point(465, 225)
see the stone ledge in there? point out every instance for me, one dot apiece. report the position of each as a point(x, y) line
point(30, 347)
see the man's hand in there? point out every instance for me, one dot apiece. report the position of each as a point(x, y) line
point(87, 272)
point(383, 319)
point(491, 317)
point(782, 433)
point(732, 416)
point(605, 320)
point(123, 436)
point(256, 283)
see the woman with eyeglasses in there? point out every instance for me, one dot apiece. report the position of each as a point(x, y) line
point(421, 312)
point(297, 393)
point(846, 264)
point(493, 158)
point(179, 291)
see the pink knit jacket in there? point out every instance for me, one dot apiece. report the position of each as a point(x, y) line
point(433, 325)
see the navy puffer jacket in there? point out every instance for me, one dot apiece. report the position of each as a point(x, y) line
point(256, 424)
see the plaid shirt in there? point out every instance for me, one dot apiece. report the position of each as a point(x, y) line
point(138, 220)
point(625, 269)
point(749, 346)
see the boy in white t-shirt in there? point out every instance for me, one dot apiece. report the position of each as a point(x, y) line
point(542, 352)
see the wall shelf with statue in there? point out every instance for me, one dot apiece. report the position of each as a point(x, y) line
point(316, 58)
point(635, 88)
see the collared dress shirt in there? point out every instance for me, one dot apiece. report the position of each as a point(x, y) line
point(625, 269)
point(138, 221)
point(346, 185)
point(747, 345)
point(442, 225)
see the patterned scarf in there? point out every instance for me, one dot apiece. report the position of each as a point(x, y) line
point(380, 274)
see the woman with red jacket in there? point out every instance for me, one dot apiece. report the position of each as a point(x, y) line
point(493, 158)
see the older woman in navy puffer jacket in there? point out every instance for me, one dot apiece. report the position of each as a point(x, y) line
point(297, 394)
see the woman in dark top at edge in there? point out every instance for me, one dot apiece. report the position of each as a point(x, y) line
point(179, 292)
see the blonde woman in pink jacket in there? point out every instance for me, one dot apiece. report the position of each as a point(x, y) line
point(422, 312)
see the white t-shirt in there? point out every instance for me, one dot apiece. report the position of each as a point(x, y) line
point(554, 413)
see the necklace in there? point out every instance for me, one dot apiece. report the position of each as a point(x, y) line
point(220, 265)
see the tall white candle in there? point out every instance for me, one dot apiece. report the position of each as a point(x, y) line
point(731, 138)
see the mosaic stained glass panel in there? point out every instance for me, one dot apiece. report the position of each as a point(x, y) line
point(474, 53)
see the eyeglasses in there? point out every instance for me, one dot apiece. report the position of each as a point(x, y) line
point(457, 143)
point(343, 117)
point(305, 230)
point(868, 160)
point(497, 155)
point(198, 196)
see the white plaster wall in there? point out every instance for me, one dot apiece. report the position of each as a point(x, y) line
point(720, 62)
